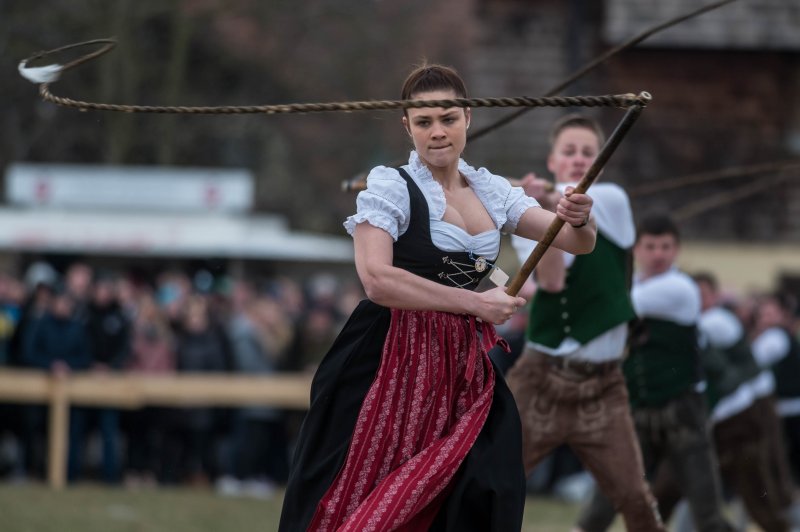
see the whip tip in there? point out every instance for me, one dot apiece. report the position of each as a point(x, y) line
point(355, 184)
point(39, 75)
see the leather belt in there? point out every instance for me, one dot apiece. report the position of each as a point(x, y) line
point(577, 366)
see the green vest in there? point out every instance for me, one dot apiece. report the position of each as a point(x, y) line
point(727, 369)
point(595, 299)
point(662, 362)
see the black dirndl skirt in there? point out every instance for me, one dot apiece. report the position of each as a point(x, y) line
point(487, 493)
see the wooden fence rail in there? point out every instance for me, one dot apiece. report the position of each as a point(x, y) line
point(131, 391)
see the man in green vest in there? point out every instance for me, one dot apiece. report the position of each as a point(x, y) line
point(741, 439)
point(665, 381)
point(777, 350)
point(568, 382)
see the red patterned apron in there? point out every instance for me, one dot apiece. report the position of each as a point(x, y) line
point(421, 416)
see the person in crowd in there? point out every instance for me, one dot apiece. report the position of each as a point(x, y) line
point(12, 298)
point(109, 337)
point(260, 334)
point(665, 380)
point(129, 289)
point(152, 348)
point(409, 425)
point(202, 346)
point(173, 291)
point(568, 383)
point(40, 280)
point(78, 279)
point(349, 296)
point(316, 332)
point(58, 342)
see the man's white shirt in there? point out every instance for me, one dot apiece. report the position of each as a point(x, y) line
point(612, 212)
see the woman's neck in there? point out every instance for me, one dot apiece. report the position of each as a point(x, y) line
point(449, 177)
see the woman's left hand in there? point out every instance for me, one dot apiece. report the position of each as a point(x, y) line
point(574, 208)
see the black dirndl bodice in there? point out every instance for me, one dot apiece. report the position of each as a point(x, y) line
point(415, 251)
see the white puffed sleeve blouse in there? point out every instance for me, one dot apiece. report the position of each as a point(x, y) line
point(385, 204)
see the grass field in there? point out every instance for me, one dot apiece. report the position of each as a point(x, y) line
point(88, 508)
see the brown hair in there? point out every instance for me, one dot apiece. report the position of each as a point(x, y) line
point(708, 278)
point(428, 78)
point(576, 120)
point(657, 224)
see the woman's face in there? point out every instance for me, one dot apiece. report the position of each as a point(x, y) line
point(439, 134)
point(574, 150)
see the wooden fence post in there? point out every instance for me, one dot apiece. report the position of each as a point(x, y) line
point(57, 432)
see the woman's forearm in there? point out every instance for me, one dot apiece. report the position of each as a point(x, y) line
point(582, 239)
point(396, 288)
point(576, 240)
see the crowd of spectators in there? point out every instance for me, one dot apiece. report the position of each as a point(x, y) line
point(86, 319)
point(90, 320)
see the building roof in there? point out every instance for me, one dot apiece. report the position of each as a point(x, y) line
point(150, 211)
point(177, 234)
point(742, 25)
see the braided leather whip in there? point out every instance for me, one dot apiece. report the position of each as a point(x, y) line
point(617, 100)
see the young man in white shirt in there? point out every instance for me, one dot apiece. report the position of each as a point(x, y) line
point(777, 351)
point(568, 382)
point(665, 380)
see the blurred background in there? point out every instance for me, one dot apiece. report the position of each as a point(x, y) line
point(238, 218)
point(725, 87)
